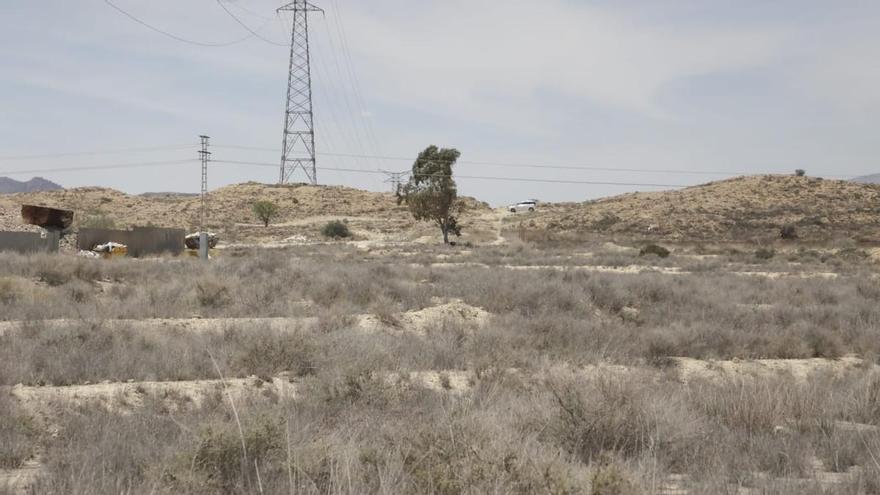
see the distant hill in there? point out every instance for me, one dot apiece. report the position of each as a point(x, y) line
point(302, 208)
point(742, 209)
point(868, 179)
point(37, 184)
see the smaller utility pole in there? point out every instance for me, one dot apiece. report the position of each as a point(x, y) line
point(205, 156)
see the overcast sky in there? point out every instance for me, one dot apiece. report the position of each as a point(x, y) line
point(701, 86)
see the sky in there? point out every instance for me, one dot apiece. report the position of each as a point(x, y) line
point(635, 94)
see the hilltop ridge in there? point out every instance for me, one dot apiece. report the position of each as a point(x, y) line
point(302, 208)
point(737, 209)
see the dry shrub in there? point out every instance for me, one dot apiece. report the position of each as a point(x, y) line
point(788, 232)
point(226, 460)
point(386, 311)
point(18, 433)
point(654, 249)
point(765, 253)
point(752, 407)
point(621, 415)
point(213, 293)
point(863, 400)
point(10, 290)
point(266, 353)
point(336, 229)
point(612, 479)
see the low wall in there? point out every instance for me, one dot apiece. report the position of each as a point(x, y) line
point(141, 241)
point(30, 242)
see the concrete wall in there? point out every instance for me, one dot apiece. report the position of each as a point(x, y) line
point(29, 242)
point(141, 241)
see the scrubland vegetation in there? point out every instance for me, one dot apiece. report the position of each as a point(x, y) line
point(573, 384)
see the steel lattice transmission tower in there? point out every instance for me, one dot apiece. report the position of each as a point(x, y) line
point(298, 151)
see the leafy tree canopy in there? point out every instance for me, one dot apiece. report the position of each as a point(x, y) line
point(431, 193)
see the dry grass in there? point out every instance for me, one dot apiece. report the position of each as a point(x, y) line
point(18, 433)
point(568, 386)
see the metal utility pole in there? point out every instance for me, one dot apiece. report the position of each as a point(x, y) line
point(298, 149)
point(205, 156)
point(395, 179)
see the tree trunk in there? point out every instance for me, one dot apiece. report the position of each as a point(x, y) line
point(445, 233)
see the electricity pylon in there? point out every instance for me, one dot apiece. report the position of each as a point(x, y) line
point(298, 151)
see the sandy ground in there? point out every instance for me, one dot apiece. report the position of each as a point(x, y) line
point(630, 269)
point(800, 369)
point(417, 322)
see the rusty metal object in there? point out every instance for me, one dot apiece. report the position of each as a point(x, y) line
point(48, 218)
point(192, 241)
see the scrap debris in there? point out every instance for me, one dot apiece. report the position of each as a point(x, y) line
point(111, 249)
point(192, 240)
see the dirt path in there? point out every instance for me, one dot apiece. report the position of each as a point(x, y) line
point(496, 217)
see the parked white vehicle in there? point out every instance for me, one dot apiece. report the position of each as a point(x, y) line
point(529, 205)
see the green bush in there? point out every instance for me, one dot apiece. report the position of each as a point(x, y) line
point(336, 230)
point(265, 211)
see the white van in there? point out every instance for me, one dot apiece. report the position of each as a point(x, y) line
point(528, 205)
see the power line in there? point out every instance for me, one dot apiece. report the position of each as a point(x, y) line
point(92, 153)
point(534, 165)
point(330, 101)
point(242, 8)
point(172, 35)
point(354, 80)
point(247, 28)
point(472, 177)
point(96, 167)
point(350, 103)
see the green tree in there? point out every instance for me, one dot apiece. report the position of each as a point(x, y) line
point(431, 194)
point(265, 211)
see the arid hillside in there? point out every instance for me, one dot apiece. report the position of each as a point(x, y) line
point(739, 209)
point(302, 209)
